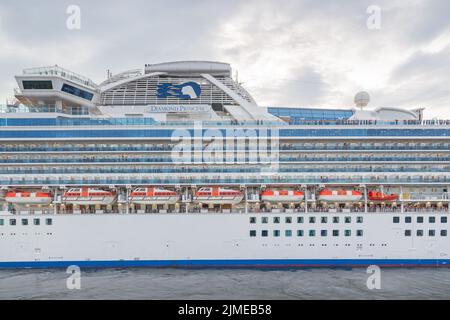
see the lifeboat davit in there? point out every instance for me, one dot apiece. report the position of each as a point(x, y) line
point(88, 196)
point(218, 195)
point(339, 195)
point(282, 196)
point(28, 198)
point(154, 196)
point(380, 196)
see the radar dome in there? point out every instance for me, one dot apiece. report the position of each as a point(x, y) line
point(362, 99)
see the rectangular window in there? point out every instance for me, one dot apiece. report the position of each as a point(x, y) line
point(419, 219)
point(348, 233)
point(431, 233)
point(77, 92)
point(276, 233)
point(431, 219)
point(312, 219)
point(252, 233)
point(443, 233)
point(300, 219)
point(24, 222)
point(359, 219)
point(396, 219)
point(12, 222)
point(348, 219)
point(36, 222)
point(37, 85)
point(264, 233)
point(276, 220)
point(312, 233)
point(335, 233)
point(252, 219)
point(335, 219)
point(408, 219)
point(323, 220)
point(288, 233)
point(2, 222)
point(359, 233)
point(407, 233)
point(443, 219)
point(265, 220)
point(48, 222)
point(299, 233)
point(288, 220)
point(419, 233)
point(323, 233)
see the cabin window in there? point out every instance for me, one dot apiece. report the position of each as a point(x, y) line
point(348, 219)
point(312, 219)
point(443, 219)
point(48, 222)
point(335, 233)
point(396, 219)
point(288, 220)
point(431, 233)
point(335, 219)
point(264, 233)
point(359, 233)
point(12, 222)
point(252, 219)
point(2, 222)
point(419, 219)
point(348, 233)
point(359, 219)
point(252, 233)
point(323, 233)
point(419, 233)
point(276, 233)
point(276, 220)
point(288, 233)
point(408, 219)
point(300, 219)
point(443, 233)
point(300, 233)
point(431, 219)
point(312, 233)
point(24, 222)
point(323, 219)
point(407, 233)
point(265, 220)
point(36, 222)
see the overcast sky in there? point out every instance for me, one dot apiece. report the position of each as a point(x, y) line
point(288, 52)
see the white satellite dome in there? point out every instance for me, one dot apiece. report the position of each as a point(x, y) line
point(362, 99)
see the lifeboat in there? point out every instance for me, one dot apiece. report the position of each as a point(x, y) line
point(380, 196)
point(28, 198)
point(282, 196)
point(218, 195)
point(154, 196)
point(88, 196)
point(339, 195)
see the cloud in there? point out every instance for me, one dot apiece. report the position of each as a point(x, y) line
point(314, 53)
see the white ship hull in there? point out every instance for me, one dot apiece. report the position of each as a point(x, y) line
point(89, 201)
point(154, 200)
point(219, 200)
point(192, 240)
point(340, 198)
point(29, 201)
point(283, 199)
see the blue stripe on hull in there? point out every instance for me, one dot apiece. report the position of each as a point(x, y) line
point(285, 263)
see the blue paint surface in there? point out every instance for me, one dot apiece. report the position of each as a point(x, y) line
point(276, 263)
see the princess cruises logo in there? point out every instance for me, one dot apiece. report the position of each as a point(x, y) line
point(186, 91)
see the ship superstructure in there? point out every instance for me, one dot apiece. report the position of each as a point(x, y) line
point(177, 165)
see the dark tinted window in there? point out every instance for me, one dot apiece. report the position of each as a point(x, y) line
point(37, 84)
point(77, 92)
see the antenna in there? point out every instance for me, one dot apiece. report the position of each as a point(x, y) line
point(362, 99)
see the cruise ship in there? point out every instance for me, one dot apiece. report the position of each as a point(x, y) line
point(176, 165)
